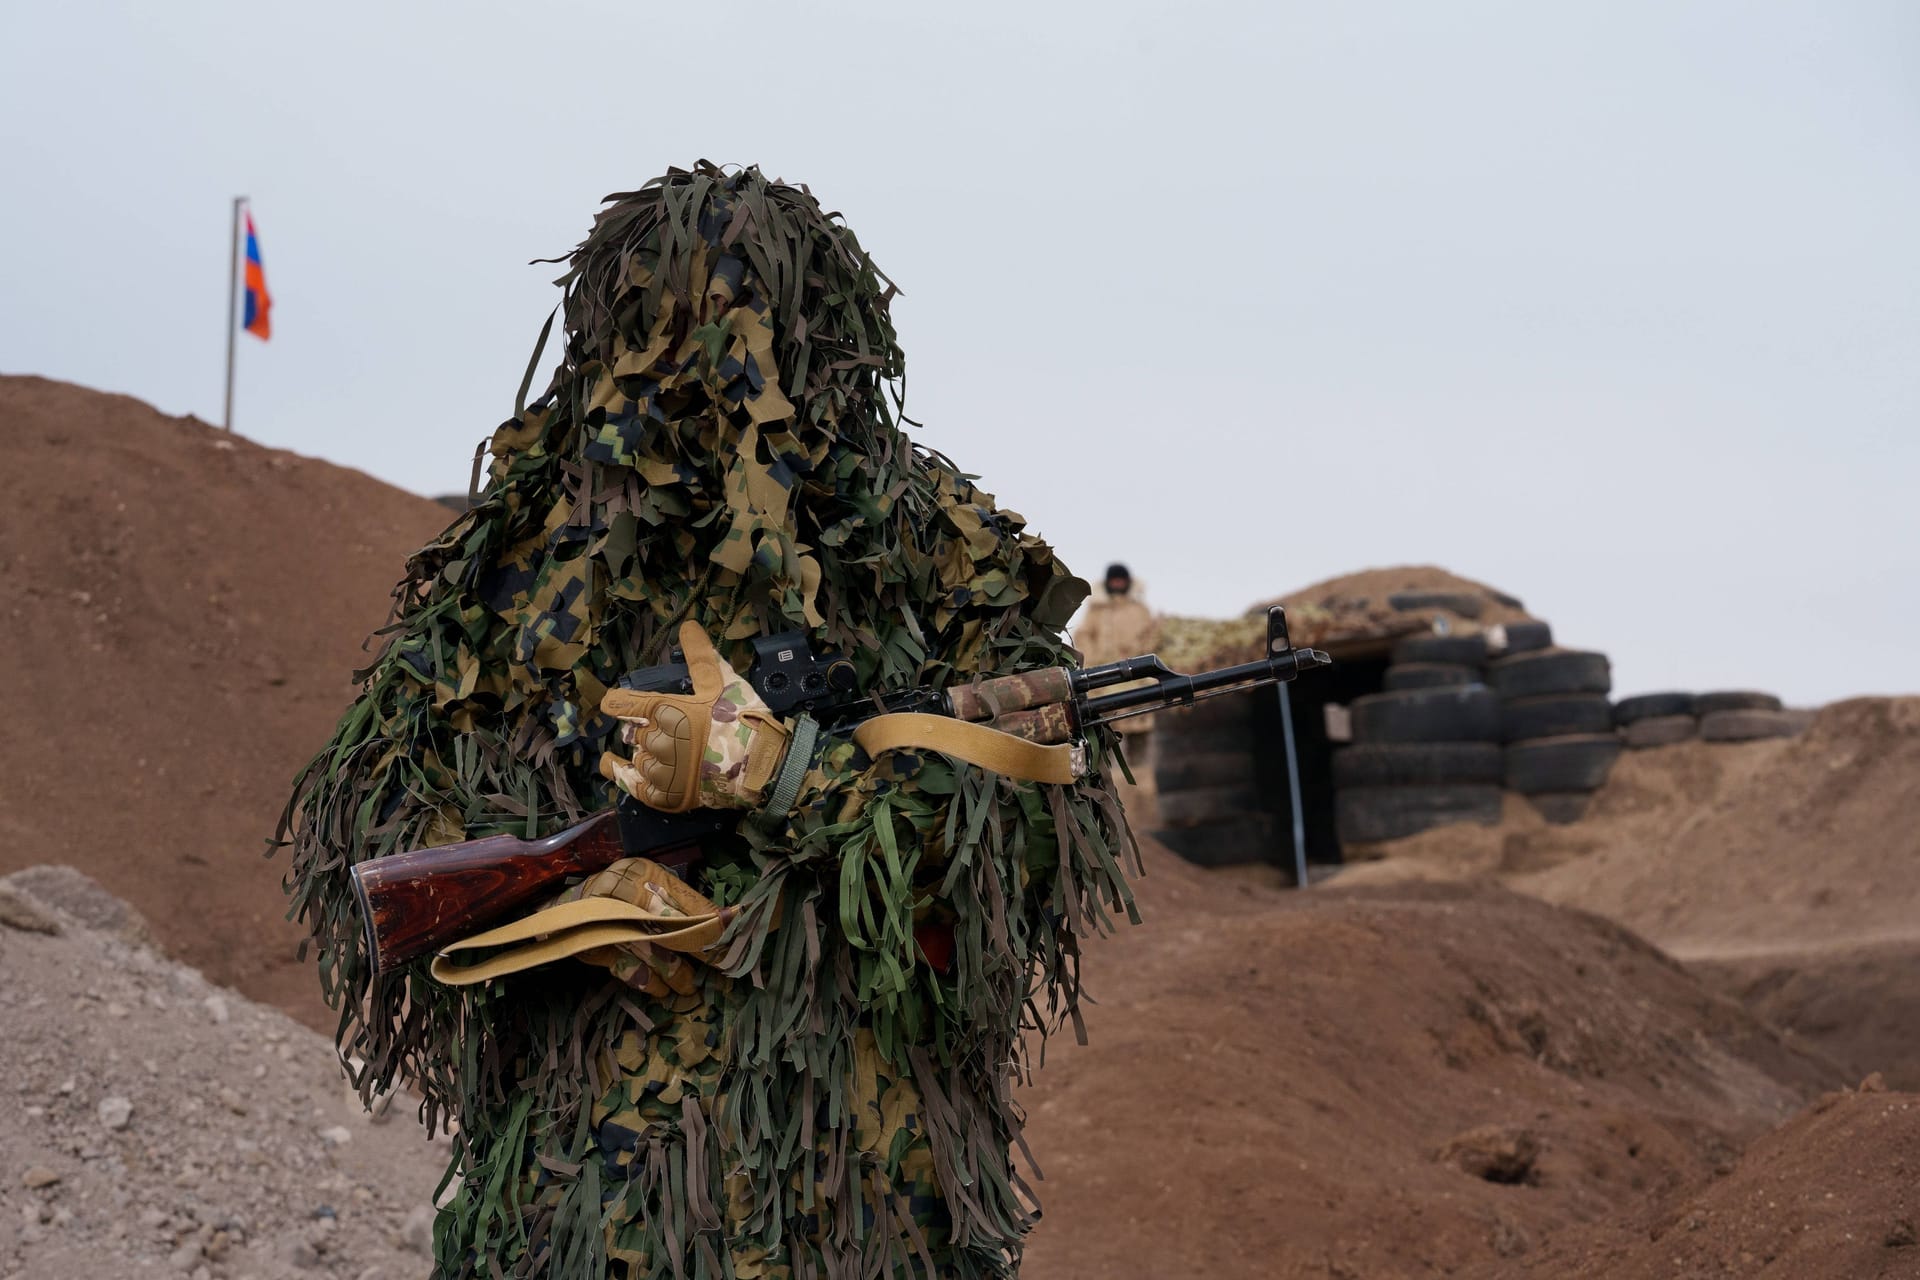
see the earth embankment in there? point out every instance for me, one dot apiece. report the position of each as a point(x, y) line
point(185, 612)
point(1784, 871)
point(1408, 1081)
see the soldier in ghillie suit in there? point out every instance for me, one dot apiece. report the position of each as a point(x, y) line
point(827, 1092)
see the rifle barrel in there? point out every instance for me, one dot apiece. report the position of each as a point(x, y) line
point(1178, 690)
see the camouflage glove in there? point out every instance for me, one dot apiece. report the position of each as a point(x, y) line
point(652, 969)
point(716, 748)
point(658, 928)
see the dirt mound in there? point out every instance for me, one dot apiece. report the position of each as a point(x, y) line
point(1353, 613)
point(1383, 1083)
point(1711, 848)
point(1798, 842)
point(190, 607)
point(1374, 589)
point(161, 1126)
point(1831, 1196)
point(1784, 869)
point(1858, 1003)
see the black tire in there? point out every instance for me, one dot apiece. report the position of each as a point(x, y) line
point(1705, 704)
point(1578, 762)
point(1211, 724)
point(1555, 716)
point(1561, 807)
point(1429, 675)
point(1198, 806)
point(1534, 675)
point(1250, 838)
point(1659, 731)
point(1395, 764)
point(1188, 770)
point(1527, 637)
point(1467, 606)
point(1650, 706)
point(1466, 651)
point(1365, 815)
point(1455, 713)
point(1750, 726)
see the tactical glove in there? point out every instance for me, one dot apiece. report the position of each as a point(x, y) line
point(718, 747)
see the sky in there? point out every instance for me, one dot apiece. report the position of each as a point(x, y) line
point(1613, 305)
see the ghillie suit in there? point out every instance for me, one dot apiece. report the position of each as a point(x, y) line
point(717, 444)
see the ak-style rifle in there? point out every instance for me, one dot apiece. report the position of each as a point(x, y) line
point(421, 900)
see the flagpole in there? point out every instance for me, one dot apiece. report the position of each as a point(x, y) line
point(233, 290)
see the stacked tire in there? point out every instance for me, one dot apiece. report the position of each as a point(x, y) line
point(1744, 716)
point(1557, 727)
point(1524, 637)
point(1206, 775)
point(1425, 750)
point(1655, 720)
point(1660, 719)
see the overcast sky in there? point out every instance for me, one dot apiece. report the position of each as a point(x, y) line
point(1614, 305)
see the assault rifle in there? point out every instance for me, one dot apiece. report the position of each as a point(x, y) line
point(423, 899)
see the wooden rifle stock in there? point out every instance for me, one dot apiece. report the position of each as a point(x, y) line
point(415, 902)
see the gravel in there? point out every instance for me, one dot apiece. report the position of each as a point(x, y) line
point(159, 1126)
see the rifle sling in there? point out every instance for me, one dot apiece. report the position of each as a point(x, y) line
point(989, 748)
point(567, 929)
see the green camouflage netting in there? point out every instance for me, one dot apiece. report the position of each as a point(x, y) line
point(719, 443)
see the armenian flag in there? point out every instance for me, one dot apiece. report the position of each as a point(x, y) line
point(259, 301)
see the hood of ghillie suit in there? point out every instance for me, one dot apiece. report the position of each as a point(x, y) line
point(720, 441)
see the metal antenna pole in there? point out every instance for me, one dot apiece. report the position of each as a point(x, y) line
point(233, 290)
point(1293, 788)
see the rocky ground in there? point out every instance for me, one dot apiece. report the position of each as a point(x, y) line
point(158, 1125)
